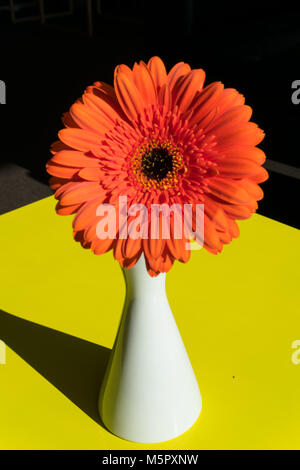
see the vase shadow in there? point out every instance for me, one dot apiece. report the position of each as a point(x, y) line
point(74, 366)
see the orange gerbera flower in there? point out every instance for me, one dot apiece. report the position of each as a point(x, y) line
point(157, 138)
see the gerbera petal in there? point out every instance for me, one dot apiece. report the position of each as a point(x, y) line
point(128, 96)
point(80, 139)
point(208, 118)
point(57, 146)
point(210, 250)
point(230, 98)
point(186, 90)
point(151, 264)
point(108, 110)
point(228, 190)
point(156, 247)
point(233, 228)
point(90, 231)
point(66, 210)
point(144, 83)
point(75, 159)
point(249, 152)
point(100, 247)
point(165, 263)
point(71, 184)
point(237, 168)
point(158, 71)
point(101, 89)
point(245, 133)
point(164, 97)
point(211, 237)
point(260, 176)
point(152, 272)
point(131, 247)
point(55, 182)
point(179, 70)
point(130, 262)
point(177, 246)
point(252, 189)
point(81, 192)
point(125, 69)
point(229, 119)
point(78, 237)
point(87, 213)
point(68, 121)
point(237, 211)
point(91, 174)
point(215, 213)
point(207, 99)
point(185, 253)
point(174, 247)
point(60, 171)
point(224, 237)
point(118, 249)
point(89, 118)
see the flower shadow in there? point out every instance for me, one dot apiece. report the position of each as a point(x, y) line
point(74, 366)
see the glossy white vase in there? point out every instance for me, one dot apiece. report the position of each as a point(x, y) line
point(150, 393)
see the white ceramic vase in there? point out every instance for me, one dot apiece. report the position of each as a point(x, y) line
point(149, 393)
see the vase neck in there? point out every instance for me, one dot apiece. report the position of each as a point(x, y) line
point(138, 281)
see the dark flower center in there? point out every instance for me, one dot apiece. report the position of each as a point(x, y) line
point(157, 163)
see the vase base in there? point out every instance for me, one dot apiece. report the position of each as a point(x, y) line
point(151, 437)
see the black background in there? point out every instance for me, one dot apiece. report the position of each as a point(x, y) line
point(253, 47)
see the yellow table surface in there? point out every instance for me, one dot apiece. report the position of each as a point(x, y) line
point(238, 314)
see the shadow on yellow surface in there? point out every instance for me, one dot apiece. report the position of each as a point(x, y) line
point(74, 366)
